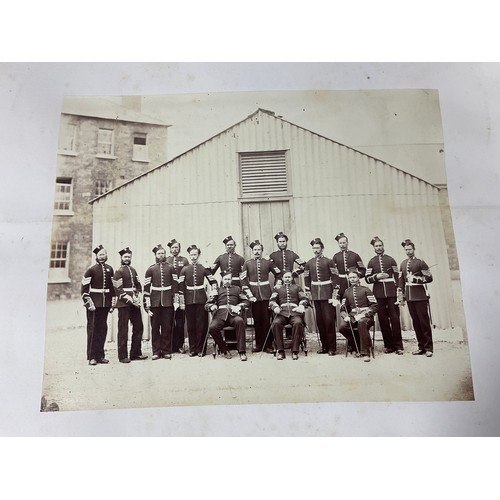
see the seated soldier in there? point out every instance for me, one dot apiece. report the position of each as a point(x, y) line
point(227, 306)
point(288, 302)
point(358, 310)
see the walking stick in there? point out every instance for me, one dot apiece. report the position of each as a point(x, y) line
point(429, 305)
point(352, 329)
point(313, 309)
point(206, 339)
point(267, 336)
point(89, 354)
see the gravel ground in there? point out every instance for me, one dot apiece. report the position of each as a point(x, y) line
point(183, 381)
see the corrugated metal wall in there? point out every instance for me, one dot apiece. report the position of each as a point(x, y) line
point(334, 188)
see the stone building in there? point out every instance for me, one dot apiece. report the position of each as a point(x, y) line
point(102, 144)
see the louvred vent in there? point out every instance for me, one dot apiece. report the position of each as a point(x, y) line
point(263, 173)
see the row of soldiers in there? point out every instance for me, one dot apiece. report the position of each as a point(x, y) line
point(175, 290)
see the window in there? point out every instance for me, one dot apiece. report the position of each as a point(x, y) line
point(140, 152)
point(59, 260)
point(63, 201)
point(102, 186)
point(105, 142)
point(67, 135)
point(263, 173)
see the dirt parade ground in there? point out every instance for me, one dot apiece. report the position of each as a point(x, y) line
point(70, 382)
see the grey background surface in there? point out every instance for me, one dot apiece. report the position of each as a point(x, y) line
point(31, 97)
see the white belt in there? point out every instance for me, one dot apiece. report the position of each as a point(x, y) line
point(129, 289)
point(342, 275)
point(161, 288)
point(236, 278)
point(361, 309)
point(321, 282)
point(257, 283)
point(195, 287)
point(386, 280)
point(290, 304)
point(414, 284)
point(99, 290)
point(224, 306)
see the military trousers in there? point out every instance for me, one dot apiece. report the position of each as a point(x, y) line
point(278, 328)
point(130, 314)
point(97, 329)
point(197, 324)
point(419, 313)
point(161, 330)
point(390, 323)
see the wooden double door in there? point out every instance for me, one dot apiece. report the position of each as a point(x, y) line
point(261, 221)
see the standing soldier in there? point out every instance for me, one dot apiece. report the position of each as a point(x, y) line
point(229, 261)
point(414, 274)
point(99, 299)
point(255, 283)
point(345, 260)
point(383, 273)
point(192, 293)
point(227, 307)
point(177, 262)
point(321, 282)
point(160, 301)
point(360, 308)
point(127, 288)
point(286, 259)
point(288, 302)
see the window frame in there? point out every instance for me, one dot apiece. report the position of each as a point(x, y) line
point(68, 198)
point(98, 186)
point(100, 142)
point(63, 129)
point(140, 152)
point(59, 274)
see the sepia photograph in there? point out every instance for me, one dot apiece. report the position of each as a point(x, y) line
point(340, 218)
point(253, 247)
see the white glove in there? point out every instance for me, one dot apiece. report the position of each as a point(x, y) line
point(277, 310)
point(359, 316)
point(299, 309)
point(236, 309)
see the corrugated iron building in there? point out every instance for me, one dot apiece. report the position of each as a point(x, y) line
point(265, 175)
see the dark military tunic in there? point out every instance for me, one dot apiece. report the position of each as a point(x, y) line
point(385, 292)
point(359, 300)
point(160, 285)
point(229, 262)
point(223, 316)
point(288, 297)
point(160, 292)
point(178, 262)
point(286, 260)
point(255, 282)
point(416, 295)
point(321, 280)
point(127, 288)
point(97, 289)
point(343, 261)
point(193, 294)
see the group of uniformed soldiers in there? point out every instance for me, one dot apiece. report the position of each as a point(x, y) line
point(175, 290)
